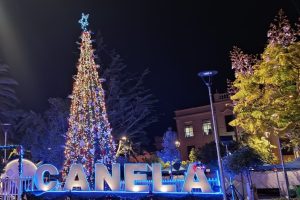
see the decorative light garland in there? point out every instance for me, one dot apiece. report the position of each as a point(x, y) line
point(88, 140)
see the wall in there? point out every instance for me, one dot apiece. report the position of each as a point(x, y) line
point(196, 116)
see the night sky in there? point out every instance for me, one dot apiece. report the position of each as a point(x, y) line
point(174, 39)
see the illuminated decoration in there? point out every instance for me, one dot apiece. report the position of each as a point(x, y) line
point(84, 21)
point(200, 182)
point(135, 186)
point(11, 169)
point(135, 179)
point(89, 169)
point(131, 177)
point(20, 152)
point(88, 139)
point(18, 182)
point(102, 175)
point(76, 179)
point(39, 178)
point(157, 180)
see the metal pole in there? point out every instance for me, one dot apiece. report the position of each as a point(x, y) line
point(20, 188)
point(283, 169)
point(276, 171)
point(5, 143)
point(171, 173)
point(5, 127)
point(217, 143)
point(230, 179)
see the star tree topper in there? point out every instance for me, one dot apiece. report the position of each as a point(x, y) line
point(84, 21)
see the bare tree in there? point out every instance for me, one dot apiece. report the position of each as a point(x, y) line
point(130, 105)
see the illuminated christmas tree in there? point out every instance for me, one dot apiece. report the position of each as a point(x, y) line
point(88, 139)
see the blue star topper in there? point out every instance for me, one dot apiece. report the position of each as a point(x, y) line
point(84, 21)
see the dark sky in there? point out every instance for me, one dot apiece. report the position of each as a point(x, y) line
point(174, 39)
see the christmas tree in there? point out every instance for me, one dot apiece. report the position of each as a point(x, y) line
point(88, 139)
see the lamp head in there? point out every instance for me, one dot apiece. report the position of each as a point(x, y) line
point(5, 126)
point(177, 143)
point(207, 73)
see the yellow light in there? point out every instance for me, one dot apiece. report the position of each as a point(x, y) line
point(135, 189)
point(164, 189)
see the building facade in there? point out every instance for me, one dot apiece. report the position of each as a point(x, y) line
point(195, 128)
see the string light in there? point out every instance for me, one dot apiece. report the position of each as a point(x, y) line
point(89, 138)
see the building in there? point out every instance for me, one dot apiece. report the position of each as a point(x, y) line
point(194, 125)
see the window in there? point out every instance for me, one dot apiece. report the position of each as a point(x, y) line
point(206, 127)
point(229, 118)
point(188, 130)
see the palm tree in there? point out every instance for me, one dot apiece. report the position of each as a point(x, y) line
point(8, 98)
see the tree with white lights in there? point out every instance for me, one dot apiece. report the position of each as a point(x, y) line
point(170, 152)
point(88, 139)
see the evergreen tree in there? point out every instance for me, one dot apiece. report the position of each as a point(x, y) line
point(88, 139)
point(193, 155)
point(170, 152)
point(52, 142)
point(42, 134)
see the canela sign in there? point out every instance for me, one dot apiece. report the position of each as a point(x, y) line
point(134, 173)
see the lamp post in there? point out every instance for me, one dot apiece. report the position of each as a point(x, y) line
point(121, 146)
point(5, 127)
point(283, 168)
point(206, 77)
point(177, 144)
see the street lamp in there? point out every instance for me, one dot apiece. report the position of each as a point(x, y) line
point(5, 127)
point(206, 77)
point(283, 168)
point(177, 143)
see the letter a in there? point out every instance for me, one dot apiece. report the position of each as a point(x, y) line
point(201, 182)
point(76, 169)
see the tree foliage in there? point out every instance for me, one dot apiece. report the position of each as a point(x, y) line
point(262, 146)
point(207, 154)
point(42, 134)
point(193, 155)
point(266, 98)
point(242, 160)
point(170, 152)
point(130, 105)
point(8, 98)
